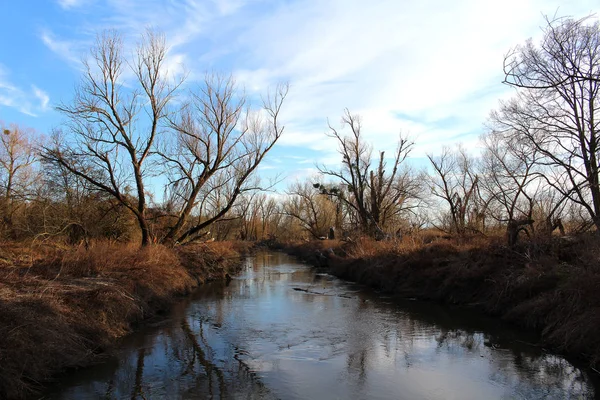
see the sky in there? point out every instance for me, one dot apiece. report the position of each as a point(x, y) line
point(429, 69)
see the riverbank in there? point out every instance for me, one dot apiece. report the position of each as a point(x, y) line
point(550, 286)
point(62, 307)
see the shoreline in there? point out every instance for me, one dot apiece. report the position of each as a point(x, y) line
point(548, 288)
point(64, 308)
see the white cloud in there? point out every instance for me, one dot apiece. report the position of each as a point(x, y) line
point(29, 102)
point(434, 61)
point(67, 4)
point(228, 7)
point(181, 21)
point(302, 174)
point(4, 82)
point(430, 69)
point(175, 65)
point(42, 97)
point(68, 50)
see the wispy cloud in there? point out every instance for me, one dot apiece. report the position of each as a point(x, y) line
point(42, 96)
point(390, 56)
point(69, 50)
point(67, 4)
point(29, 102)
point(432, 70)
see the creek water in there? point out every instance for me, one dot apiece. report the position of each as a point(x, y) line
point(284, 330)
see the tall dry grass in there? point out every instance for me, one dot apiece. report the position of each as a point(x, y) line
point(61, 306)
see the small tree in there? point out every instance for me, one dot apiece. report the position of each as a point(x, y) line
point(17, 157)
point(315, 213)
point(455, 182)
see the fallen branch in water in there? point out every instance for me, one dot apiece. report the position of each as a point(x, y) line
point(321, 294)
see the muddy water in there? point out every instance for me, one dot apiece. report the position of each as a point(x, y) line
point(284, 330)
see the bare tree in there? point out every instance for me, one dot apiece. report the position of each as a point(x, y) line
point(17, 157)
point(373, 192)
point(555, 110)
point(269, 216)
point(114, 126)
point(455, 182)
point(256, 213)
point(315, 213)
point(550, 206)
point(71, 207)
point(220, 144)
point(508, 175)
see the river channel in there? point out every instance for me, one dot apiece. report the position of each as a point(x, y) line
point(284, 330)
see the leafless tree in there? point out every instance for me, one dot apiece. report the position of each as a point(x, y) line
point(455, 182)
point(220, 144)
point(555, 109)
point(257, 214)
point(508, 174)
point(315, 213)
point(373, 192)
point(17, 157)
point(550, 209)
point(74, 209)
point(114, 122)
point(269, 216)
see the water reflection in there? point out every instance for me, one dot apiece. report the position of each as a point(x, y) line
point(284, 330)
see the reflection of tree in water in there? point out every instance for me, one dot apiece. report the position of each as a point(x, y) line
point(199, 354)
point(540, 377)
point(139, 373)
point(413, 339)
point(179, 361)
point(530, 374)
point(356, 364)
point(360, 343)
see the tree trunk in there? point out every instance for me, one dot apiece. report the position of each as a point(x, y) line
point(146, 237)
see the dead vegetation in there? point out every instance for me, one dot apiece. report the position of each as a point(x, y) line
point(549, 285)
point(60, 307)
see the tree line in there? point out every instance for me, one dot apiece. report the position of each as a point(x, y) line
point(134, 131)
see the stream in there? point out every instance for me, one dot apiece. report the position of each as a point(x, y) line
point(285, 330)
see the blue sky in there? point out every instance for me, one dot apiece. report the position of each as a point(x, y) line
point(431, 69)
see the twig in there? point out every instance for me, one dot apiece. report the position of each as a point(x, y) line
point(319, 293)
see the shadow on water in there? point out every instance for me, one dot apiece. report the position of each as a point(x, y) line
point(285, 330)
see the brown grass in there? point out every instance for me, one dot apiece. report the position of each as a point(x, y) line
point(549, 285)
point(59, 307)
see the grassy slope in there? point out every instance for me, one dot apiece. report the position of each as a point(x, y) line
point(59, 307)
point(551, 286)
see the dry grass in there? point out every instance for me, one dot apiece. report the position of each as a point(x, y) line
point(549, 285)
point(210, 261)
point(61, 306)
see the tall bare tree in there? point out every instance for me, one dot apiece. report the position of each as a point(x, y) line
point(114, 121)
point(376, 193)
point(555, 109)
point(220, 144)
